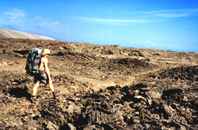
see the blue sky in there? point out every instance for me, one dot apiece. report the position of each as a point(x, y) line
point(163, 24)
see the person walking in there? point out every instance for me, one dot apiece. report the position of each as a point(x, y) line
point(37, 67)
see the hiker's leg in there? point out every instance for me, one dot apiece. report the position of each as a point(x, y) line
point(46, 81)
point(35, 88)
point(51, 87)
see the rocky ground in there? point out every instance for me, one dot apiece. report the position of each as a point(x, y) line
point(99, 88)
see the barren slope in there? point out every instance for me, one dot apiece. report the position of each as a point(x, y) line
point(99, 87)
point(8, 33)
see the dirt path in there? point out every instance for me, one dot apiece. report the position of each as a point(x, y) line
point(94, 84)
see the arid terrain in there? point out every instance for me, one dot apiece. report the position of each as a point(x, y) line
point(99, 88)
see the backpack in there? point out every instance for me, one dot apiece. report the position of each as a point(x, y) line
point(33, 61)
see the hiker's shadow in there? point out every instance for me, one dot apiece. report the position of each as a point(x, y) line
point(20, 93)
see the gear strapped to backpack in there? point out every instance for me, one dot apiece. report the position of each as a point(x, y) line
point(33, 61)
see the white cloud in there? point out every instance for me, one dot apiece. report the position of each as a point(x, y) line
point(49, 26)
point(20, 19)
point(46, 24)
point(112, 21)
point(15, 15)
point(138, 17)
point(172, 13)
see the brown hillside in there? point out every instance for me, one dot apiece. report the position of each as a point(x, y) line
point(99, 87)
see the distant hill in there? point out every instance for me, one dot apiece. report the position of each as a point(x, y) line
point(9, 33)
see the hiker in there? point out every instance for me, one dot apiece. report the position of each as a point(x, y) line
point(37, 67)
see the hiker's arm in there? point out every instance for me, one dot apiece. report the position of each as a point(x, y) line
point(47, 71)
point(49, 77)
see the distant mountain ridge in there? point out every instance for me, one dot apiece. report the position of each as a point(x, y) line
point(9, 33)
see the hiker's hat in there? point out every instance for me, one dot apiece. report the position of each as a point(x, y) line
point(46, 52)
